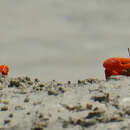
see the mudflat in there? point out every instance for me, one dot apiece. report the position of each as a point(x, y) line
point(31, 104)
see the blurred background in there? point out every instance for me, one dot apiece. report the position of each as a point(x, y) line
point(62, 40)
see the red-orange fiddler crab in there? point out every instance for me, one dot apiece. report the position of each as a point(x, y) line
point(117, 66)
point(4, 69)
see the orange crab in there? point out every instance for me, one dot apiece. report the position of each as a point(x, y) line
point(117, 66)
point(4, 69)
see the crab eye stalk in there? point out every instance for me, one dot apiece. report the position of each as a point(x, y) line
point(129, 51)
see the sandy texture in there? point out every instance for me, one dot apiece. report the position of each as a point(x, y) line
point(31, 104)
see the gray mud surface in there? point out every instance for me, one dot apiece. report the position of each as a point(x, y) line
point(90, 104)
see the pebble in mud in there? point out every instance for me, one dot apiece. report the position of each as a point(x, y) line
point(5, 102)
point(7, 121)
point(89, 106)
point(14, 83)
point(86, 123)
point(1, 87)
point(27, 99)
point(36, 80)
point(37, 103)
point(79, 121)
point(22, 91)
point(11, 115)
point(19, 108)
point(69, 82)
point(4, 108)
point(62, 89)
point(76, 108)
point(125, 104)
point(35, 88)
point(40, 122)
point(28, 80)
point(101, 97)
point(39, 86)
point(81, 82)
point(52, 92)
point(92, 81)
point(37, 125)
point(24, 79)
point(28, 113)
point(30, 83)
point(55, 88)
point(59, 83)
point(96, 112)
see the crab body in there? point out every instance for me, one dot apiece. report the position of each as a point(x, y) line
point(4, 69)
point(117, 66)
